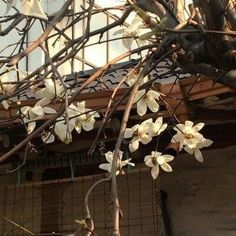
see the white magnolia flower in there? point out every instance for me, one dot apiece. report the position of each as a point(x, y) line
point(120, 164)
point(155, 160)
point(31, 114)
point(8, 82)
point(83, 117)
point(135, 30)
point(5, 88)
point(146, 100)
point(190, 139)
point(77, 113)
point(28, 7)
point(139, 133)
point(53, 89)
point(157, 127)
point(133, 76)
point(196, 151)
point(78, 117)
point(187, 134)
point(33, 8)
point(63, 130)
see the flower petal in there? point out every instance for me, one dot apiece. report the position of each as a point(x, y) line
point(49, 110)
point(48, 138)
point(105, 166)
point(145, 139)
point(38, 110)
point(207, 142)
point(139, 95)
point(168, 158)
point(31, 127)
point(33, 8)
point(43, 102)
point(109, 156)
point(134, 144)
point(78, 126)
point(148, 161)
point(5, 104)
point(155, 171)
point(188, 123)
point(141, 107)
point(198, 155)
point(153, 105)
point(198, 126)
point(126, 162)
point(188, 150)
point(166, 167)
point(163, 127)
point(153, 94)
point(88, 125)
point(179, 127)
point(62, 130)
point(129, 132)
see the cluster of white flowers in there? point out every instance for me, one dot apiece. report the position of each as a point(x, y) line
point(187, 136)
point(75, 117)
point(190, 139)
point(144, 99)
point(144, 132)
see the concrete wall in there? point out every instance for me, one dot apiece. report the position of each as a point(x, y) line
point(202, 197)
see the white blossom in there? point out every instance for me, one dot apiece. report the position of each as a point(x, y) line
point(53, 89)
point(33, 8)
point(157, 127)
point(146, 100)
point(196, 151)
point(76, 117)
point(120, 164)
point(28, 7)
point(31, 114)
point(63, 129)
point(190, 139)
point(133, 76)
point(133, 32)
point(139, 133)
point(155, 160)
point(83, 117)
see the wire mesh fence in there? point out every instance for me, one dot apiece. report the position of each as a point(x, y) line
point(53, 206)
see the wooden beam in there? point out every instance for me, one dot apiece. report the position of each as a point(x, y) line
point(188, 89)
point(202, 87)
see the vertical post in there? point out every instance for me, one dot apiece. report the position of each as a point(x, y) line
point(72, 171)
point(18, 175)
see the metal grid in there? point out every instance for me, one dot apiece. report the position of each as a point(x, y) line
point(54, 206)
